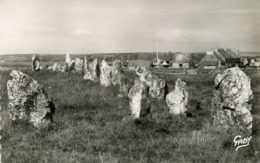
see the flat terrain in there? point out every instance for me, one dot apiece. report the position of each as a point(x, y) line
point(91, 124)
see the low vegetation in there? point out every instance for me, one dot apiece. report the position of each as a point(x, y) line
point(92, 124)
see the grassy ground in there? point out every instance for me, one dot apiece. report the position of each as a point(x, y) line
point(91, 125)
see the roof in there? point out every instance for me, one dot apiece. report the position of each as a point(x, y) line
point(219, 56)
point(232, 53)
point(226, 53)
point(182, 58)
point(209, 60)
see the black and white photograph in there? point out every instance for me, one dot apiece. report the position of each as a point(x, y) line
point(129, 81)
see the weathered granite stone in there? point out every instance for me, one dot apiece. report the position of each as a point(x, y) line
point(177, 100)
point(231, 104)
point(91, 71)
point(71, 65)
point(68, 59)
point(35, 63)
point(28, 100)
point(79, 65)
point(57, 67)
point(139, 100)
point(157, 86)
point(157, 89)
point(105, 74)
point(64, 68)
point(117, 73)
point(85, 66)
point(50, 67)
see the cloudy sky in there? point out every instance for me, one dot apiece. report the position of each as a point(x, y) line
point(96, 26)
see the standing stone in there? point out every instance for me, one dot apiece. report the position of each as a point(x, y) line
point(68, 59)
point(177, 100)
point(57, 67)
point(157, 86)
point(35, 63)
point(79, 65)
point(91, 71)
point(158, 90)
point(54, 67)
point(28, 100)
point(231, 104)
point(117, 73)
point(105, 74)
point(139, 100)
point(70, 63)
point(64, 68)
point(123, 87)
point(85, 66)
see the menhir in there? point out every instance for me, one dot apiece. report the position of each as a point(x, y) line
point(231, 104)
point(28, 100)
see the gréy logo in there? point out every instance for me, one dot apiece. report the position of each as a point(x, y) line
point(241, 142)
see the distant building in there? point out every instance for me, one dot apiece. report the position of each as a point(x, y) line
point(181, 60)
point(228, 57)
point(220, 58)
point(210, 61)
point(255, 62)
point(156, 62)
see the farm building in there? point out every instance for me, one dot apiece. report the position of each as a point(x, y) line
point(161, 63)
point(181, 60)
point(255, 62)
point(210, 61)
point(228, 57)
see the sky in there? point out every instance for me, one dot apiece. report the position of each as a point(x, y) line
point(117, 26)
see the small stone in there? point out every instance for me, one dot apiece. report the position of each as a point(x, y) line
point(57, 67)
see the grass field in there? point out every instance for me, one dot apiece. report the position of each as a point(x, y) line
point(91, 125)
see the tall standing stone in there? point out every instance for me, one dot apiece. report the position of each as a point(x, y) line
point(35, 63)
point(231, 104)
point(28, 100)
point(68, 59)
point(79, 65)
point(139, 100)
point(177, 100)
point(105, 74)
point(91, 71)
point(85, 66)
point(70, 63)
point(117, 73)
